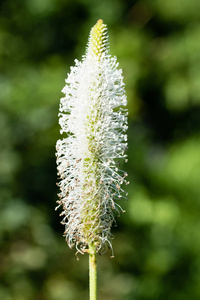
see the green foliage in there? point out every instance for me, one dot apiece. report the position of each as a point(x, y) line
point(157, 244)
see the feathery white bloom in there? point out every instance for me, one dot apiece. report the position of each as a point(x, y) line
point(94, 120)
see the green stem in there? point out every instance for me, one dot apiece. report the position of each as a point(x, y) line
point(92, 272)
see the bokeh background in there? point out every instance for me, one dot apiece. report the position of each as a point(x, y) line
point(157, 241)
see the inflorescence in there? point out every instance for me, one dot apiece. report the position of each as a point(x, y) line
point(93, 118)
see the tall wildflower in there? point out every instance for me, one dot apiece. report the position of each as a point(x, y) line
point(94, 120)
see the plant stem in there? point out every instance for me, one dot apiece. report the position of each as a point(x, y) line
point(92, 272)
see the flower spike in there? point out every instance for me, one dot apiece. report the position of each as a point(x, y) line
point(93, 119)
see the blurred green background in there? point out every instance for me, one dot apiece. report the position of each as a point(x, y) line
point(157, 241)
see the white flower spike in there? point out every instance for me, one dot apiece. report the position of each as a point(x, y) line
point(94, 120)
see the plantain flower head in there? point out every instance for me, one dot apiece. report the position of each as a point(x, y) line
point(93, 119)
